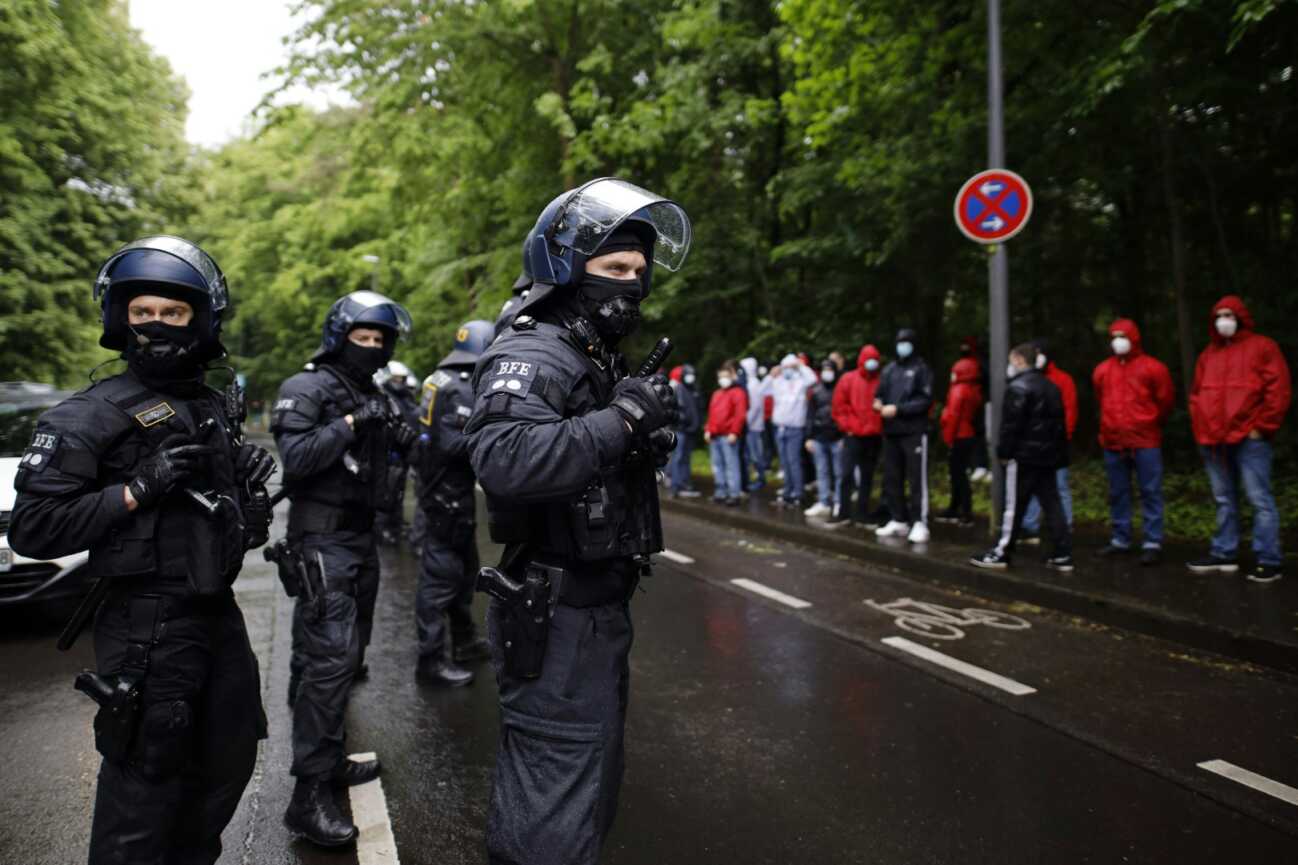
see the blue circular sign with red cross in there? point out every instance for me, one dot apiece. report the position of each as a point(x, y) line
point(993, 206)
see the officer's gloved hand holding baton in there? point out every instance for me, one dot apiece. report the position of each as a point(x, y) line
point(374, 410)
point(646, 403)
point(164, 470)
point(253, 465)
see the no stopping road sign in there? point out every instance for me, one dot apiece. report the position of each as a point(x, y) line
point(993, 206)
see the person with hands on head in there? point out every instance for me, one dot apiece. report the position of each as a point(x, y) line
point(564, 442)
point(725, 428)
point(335, 432)
point(788, 387)
point(903, 399)
point(1135, 394)
point(1238, 402)
point(148, 469)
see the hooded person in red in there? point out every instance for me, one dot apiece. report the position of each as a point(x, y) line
point(1238, 401)
point(727, 414)
point(1135, 394)
point(964, 401)
point(862, 426)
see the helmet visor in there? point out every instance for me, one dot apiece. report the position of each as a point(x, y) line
point(187, 252)
point(355, 306)
point(594, 210)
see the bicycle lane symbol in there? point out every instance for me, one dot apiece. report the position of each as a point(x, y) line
point(944, 623)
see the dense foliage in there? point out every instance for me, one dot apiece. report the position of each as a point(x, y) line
point(817, 144)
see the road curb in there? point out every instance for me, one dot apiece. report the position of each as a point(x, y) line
point(1106, 609)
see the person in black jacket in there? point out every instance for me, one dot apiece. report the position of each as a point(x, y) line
point(1033, 444)
point(825, 443)
point(904, 397)
point(684, 382)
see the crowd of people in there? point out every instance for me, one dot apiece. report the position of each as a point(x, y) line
point(835, 424)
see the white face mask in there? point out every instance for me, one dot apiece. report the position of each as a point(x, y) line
point(827, 376)
point(725, 381)
point(1011, 370)
point(790, 373)
point(871, 364)
point(904, 349)
point(1041, 361)
point(1121, 345)
point(1227, 326)
point(689, 379)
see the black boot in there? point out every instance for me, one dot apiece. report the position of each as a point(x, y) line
point(293, 684)
point(314, 814)
point(439, 672)
point(350, 773)
point(470, 650)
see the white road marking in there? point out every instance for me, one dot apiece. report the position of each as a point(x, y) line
point(375, 846)
point(678, 558)
point(1261, 783)
point(773, 594)
point(987, 677)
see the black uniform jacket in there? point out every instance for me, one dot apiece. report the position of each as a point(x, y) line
point(1032, 422)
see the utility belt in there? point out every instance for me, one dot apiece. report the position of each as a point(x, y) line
point(528, 605)
point(308, 516)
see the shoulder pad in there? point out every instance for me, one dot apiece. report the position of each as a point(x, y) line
point(510, 376)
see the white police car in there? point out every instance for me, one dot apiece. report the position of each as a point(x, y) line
point(24, 580)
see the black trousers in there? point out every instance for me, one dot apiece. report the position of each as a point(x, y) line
point(328, 646)
point(196, 742)
point(905, 460)
point(1022, 483)
point(860, 453)
point(554, 791)
point(448, 567)
point(959, 462)
point(391, 522)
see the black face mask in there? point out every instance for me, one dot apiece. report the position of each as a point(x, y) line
point(163, 352)
point(612, 305)
point(360, 362)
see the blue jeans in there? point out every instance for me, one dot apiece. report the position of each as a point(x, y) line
point(788, 439)
point(678, 468)
point(1032, 517)
point(755, 441)
point(725, 467)
point(1229, 465)
point(1148, 465)
point(829, 471)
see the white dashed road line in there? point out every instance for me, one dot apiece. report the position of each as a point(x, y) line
point(1261, 783)
point(773, 594)
point(678, 558)
point(987, 677)
point(375, 846)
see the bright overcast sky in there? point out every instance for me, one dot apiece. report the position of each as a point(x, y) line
point(222, 48)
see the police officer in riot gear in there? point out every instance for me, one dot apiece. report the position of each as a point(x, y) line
point(448, 561)
point(148, 469)
point(564, 443)
point(398, 383)
point(334, 430)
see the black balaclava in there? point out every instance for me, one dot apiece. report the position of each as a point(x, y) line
point(165, 356)
point(360, 362)
point(613, 305)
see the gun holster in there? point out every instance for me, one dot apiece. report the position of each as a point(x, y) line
point(299, 577)
point(525, 612)
point(119, 711)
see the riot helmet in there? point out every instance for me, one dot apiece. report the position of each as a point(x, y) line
point(396, 376)
point(363, 309)
point(170, 267)
point(471, 340)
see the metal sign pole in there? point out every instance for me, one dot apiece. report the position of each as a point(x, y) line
point(998, 265)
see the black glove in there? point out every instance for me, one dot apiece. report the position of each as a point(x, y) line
point(374, 409)
point(647, 404)
point(162, 471)
point(403, 436)
point(661, 443)
point(253, 464)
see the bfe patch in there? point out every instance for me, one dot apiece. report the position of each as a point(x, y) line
point(513, 377)
point(40, 453)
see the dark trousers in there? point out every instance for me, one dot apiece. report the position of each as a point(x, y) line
point(448, 567)
point(196, 741)
point(860, 453)
point(328, 646)
point(905, 460)
point(559, 766)
point(390, 523)
point(962, 455)
point(1022, 483)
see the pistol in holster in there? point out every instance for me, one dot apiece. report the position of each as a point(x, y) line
point(299, 577)
point(119, 710)
point(526, 610)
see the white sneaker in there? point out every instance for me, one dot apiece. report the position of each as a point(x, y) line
point(918, 534)
point(819, 509)
point(980, 474)
point(892, 529)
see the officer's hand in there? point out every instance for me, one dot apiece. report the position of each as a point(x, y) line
point(374, 410)
point(253, 464)
point(661, 443)
point(162, 471)
point(403, 436)
point(646, 403)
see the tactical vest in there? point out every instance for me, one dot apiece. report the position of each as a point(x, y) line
point(617, 515)
point(177, 538)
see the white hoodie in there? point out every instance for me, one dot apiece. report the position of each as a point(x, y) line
point(790, 393)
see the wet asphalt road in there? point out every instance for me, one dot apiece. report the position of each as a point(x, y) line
point(757, 733)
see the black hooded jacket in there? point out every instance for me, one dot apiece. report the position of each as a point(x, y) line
point(1032, 422)
point(907, 384)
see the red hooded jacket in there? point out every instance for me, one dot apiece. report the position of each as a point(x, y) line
point(853, 404)
point(1241, 384)
point(1135, 394)
point(1067, 390)
point(727, 411)
point(964, 399)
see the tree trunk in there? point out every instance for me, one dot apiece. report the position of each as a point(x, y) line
point(1177, 239)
